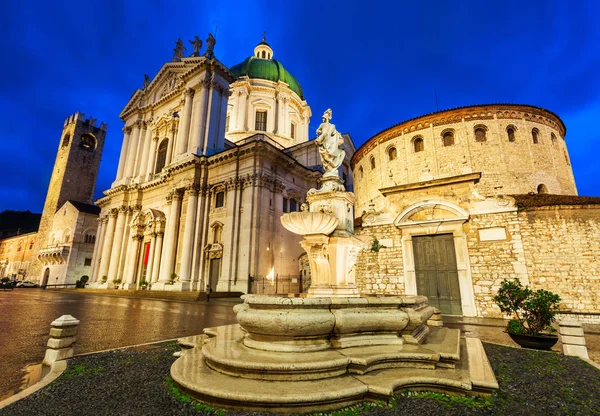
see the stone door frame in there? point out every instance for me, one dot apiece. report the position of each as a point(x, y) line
point(454, 226)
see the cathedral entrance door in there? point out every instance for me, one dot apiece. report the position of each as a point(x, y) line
point(215, 267)
point(436, 272)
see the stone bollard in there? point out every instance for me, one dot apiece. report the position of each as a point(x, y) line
point(62, 337)
point(436, 318)
point(571, 336)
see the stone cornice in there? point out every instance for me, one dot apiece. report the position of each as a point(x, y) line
point(456, 115)
point(471, 177)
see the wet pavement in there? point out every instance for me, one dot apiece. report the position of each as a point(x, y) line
point(106, 322)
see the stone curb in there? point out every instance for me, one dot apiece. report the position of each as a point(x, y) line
point(57, 368)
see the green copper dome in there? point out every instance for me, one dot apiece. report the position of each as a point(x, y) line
point(269, 69)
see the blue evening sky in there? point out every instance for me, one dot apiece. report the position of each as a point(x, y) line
point(374, 63)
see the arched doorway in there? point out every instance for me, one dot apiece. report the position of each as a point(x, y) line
point(46, 277)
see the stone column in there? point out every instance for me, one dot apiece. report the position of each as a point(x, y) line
point(157, 256)
point(132, 260)
point(149, 269)
point(212, 114)
point(199, 118)
point(188, 239)
point(170, 145)
point(107, 244)
point(140, 149)
point(131, 150)
point(170, 243)
point(115, 253)
point(184, 122)
point(97, 248)
point(124, 147)
point(152, 157)
point(148, 143)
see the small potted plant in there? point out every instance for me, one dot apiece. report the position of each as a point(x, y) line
point(143, 285)
point(116, 282)
point(533, 314)
point(172, 278)
point(104, 279)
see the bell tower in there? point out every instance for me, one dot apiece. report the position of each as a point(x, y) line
point(74, 173)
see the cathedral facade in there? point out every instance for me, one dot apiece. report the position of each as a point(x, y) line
point(211, 159)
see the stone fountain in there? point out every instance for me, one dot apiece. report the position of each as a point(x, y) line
point(334, 347)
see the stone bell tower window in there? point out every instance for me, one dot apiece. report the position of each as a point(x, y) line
point(87, 142)
point(66, 140)
point(542, 189)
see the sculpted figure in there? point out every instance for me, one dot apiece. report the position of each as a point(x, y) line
point(210, 46)
point(197, 44)
point(179, 48)
point(331, 146)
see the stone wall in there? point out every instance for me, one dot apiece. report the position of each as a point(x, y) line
point(381, 272)
point(562, 250)
point(493, 260)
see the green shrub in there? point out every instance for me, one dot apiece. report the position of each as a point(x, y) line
point(534, 311)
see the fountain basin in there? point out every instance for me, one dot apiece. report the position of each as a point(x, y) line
point(307, 223)
point(316, 324)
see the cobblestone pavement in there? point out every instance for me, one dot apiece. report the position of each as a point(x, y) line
point(492, 330)
point(106, 322)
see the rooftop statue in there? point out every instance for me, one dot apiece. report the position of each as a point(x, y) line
point(179, 48)
point(210, 46)
point(197, 44)
point(331, 146)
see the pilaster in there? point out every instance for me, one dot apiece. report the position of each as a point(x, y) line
point(184, 124)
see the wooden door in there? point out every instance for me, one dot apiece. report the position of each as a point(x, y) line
point(215, 267)
point(436, 272)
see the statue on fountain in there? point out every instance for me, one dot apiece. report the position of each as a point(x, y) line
point(331, 150)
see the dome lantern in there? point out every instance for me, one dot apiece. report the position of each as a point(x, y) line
point(263, 49)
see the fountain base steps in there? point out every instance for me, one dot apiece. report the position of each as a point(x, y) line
point(217, 368)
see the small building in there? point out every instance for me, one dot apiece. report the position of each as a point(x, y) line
point(15, 256)
point(68, 255)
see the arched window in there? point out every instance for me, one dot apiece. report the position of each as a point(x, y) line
point(553, 137)
point(161, 155)
point(372, 160)
point(448, 139)
point(263, 55)
point(418, 144)
point(480, 134)
point(535, 136)
point(67, 237)
point(392, 153)
point(87, 142)
point(361, 172)
point(542, 189)
point(66, 140)
point(510, 132)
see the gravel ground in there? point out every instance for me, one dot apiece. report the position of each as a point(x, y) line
point(133, 382)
